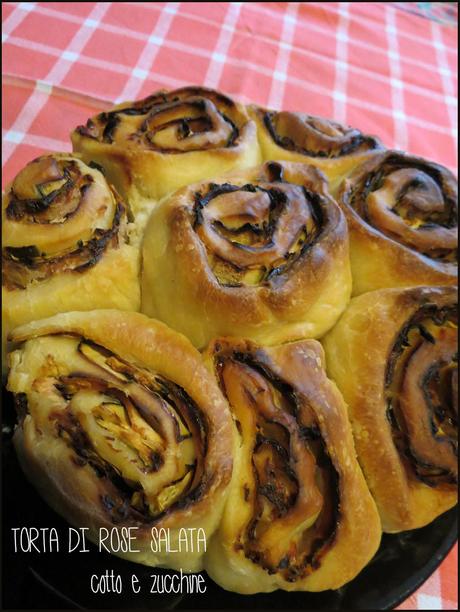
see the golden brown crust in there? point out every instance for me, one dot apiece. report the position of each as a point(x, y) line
point(59, 215)
point(261, 253)
point(154, 146)
point(65, 243)
point(402, 216)
point(121, 425)
point(392, 355)
point(334, 148)
point(299, 515)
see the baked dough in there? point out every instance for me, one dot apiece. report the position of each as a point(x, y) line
point(65, 243)
point(121, 425)
point(261, 253)
point(170, 139)
point(402, 214)
point(334, 148)
point(299, 515)
point(393, 354)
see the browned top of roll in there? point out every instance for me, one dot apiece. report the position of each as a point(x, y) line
point(256, 233)
point(179, 121)
point(58, 215)
point(128, 406)
point(300, 509)
point(410, 200)
point(297, 484)
point(140, 416)
point(421, 387)
point(315, 136)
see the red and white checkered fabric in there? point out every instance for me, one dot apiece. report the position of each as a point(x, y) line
point(383, 70)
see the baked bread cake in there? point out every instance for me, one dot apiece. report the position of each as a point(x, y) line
point(262, 253)
point(394, 356)
point(121, 425)
point(152, 147)
point(66, 243)
point(402, 214)
point(299, 515)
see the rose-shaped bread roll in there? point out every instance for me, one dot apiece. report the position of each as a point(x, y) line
point(170, 139)
point(121, 425)
point(402, 214)
point(261, 253)
point(331, 146)
point(65, 243)
point(299, 515)
point(394, 356)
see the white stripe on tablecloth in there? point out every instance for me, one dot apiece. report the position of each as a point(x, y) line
point(15, 18)
point(52, 144)
point(275, 98)
point(219, 56)
point(169, 81)
point(340, 85)
point(147, 57)
point(125, 31)
point(40, 94)
point(429, 595)
point(400, 138)
point(450, 97)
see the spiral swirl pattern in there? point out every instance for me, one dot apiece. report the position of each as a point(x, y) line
point(315, 136)
point(394, 356)
point(154, 146)
point(257, 231)
point(184, 120)
point(114, 433)
point(286, 454)
point(422, 394)
point(69, 211)
point(140, 433)
point(288, 508)
point(259, 253)
point(412, 201)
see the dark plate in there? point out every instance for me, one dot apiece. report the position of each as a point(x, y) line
point(57, 580)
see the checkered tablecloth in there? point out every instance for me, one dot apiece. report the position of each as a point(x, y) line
point(382, 68)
